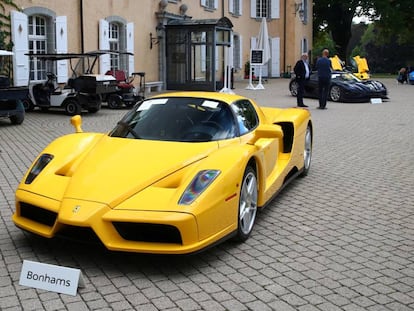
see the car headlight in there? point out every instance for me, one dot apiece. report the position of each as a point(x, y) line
point(40, 164)
point(199, 183)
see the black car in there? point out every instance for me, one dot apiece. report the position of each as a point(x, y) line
point(345, 87)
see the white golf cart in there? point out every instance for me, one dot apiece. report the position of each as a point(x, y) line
point(82, 91)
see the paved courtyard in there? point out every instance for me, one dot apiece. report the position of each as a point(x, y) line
point(340, 239)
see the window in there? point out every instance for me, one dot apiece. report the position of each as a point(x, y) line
point(209, 4)
point(262, 8)
point(114, 45)
point(237, 52)
point(37, 32)
point(235, 7)
point(246, 116)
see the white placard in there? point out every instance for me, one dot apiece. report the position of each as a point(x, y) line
point(50, 277)
point(376, 100)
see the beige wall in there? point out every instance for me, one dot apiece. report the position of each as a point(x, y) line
point(142, 14)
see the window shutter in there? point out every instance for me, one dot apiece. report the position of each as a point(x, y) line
point(253, 8)
point(104, 60)
point(241, 51)
point(216, 4)
point(241, 7)
point(275, 9)
point(61, 47)
point(231, 6)
point(21, 46)
point(130, 47)
point(275, 60)
point(203, 3)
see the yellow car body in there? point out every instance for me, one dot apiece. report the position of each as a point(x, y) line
point(129, 191)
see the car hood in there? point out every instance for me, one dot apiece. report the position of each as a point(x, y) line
point(365, 86)
point(117, 168)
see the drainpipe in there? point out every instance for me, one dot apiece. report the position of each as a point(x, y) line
point(284, 36)
point(81, 26)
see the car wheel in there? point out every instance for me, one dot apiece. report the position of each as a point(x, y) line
point(247, 204)
point(28, 104)
point(17, 119)
point(114, 101)
point(335, 93)
point(72, 107)
point(293, 88)
point(307, 151)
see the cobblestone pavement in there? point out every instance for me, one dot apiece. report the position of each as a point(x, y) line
point(340, 239)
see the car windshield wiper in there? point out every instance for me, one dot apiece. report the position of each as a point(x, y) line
point(130, 128)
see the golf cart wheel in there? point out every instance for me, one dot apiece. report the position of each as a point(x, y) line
point(72, 107)
point(114, 101)
point(28, 104)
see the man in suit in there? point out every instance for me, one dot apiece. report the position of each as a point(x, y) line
point(302, 73)
point(324, 67)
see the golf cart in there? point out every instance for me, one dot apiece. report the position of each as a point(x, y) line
point(82, 91)
point(126, 93)
point(11, 97)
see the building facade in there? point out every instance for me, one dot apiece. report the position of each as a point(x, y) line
point(143, 29)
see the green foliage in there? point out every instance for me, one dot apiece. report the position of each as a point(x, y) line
point(5, 26)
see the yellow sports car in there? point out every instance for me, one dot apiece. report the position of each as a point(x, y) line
point(180, 172)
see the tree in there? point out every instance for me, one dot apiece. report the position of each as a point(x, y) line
point(335, 17)
point(5, 27)
point(394, 19)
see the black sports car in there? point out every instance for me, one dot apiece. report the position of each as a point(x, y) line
point(345, 87)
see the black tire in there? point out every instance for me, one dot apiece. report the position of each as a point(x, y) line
point(307, 151)
point(28, 104)
point(293, 87)
point(335, 93)
point(72, 107)
point(247, 204)
point(17, 119)
point(114, 101)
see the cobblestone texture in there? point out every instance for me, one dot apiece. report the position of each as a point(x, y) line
point(340, 239)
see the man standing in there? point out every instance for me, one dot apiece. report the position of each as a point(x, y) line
point(324, 66)
point(302, 73)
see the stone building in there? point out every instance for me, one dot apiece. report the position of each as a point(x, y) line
point(175, 42)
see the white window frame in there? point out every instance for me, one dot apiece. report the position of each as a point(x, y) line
point(37, 36)
point(236, 7)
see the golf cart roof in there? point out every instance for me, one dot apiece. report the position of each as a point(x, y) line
point(62, 56)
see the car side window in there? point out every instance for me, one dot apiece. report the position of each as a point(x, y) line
point(246, 116)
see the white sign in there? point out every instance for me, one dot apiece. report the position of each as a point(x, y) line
point(50, 277)
point(376, 101)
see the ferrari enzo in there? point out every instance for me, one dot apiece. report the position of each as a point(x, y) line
point(345, 87)
point(178, 173)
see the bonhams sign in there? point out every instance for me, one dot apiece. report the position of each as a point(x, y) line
point(50, 277)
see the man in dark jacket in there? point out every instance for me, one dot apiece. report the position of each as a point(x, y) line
point(302, 72)
point(324, 67)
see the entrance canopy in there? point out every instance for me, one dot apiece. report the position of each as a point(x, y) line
point(195, 52)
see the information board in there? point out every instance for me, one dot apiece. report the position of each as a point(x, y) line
point(256, 57)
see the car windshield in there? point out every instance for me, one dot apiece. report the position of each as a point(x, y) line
point(347, 76)
point(183, 119)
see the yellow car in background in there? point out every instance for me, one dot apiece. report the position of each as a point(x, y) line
point(180, 172)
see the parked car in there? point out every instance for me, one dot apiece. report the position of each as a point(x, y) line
point(180, 172)
point(345, 87)
point(11, 97)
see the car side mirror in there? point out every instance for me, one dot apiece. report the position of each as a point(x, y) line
point(268, 131)
point(76, 121)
